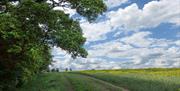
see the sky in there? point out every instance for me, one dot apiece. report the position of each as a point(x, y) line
point(130, 34)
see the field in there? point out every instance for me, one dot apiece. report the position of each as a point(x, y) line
point(107, 80)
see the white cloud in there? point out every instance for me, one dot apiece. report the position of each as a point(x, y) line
point(153, 14)
point(140, 57)
point(133, 18)
point(95, 31)
point(137, 50)
point(138, 39)
point(69, 11)
point(178, 42)
point(127, 56)
point(114, 3)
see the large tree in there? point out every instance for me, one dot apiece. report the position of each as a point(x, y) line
point(30, 28)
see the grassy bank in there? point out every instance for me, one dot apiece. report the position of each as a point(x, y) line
point(67, 82)
point(107, 80)
point(140, 79)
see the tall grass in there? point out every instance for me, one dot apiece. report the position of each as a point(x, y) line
point(107, 80)
point(47, 82)
point(141, 79)
point(67, 82)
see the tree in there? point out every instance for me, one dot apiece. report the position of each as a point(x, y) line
point(30, 28)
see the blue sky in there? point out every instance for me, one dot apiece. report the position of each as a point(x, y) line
point(130, 34)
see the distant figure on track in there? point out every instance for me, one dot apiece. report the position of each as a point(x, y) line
point(66, 69)
point(70, 69)
point(57, 70)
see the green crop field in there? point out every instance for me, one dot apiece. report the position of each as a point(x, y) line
point(107, 80)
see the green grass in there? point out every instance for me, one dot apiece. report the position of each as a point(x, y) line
point(67, 82)
point(107, 80)
point(86, 83)
point(141, 79)
point(47, 82)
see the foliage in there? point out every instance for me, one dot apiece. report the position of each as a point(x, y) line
point(30, 28)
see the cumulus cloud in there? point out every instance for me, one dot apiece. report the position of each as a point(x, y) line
point(135, 50)
point(153, 14)
point(95, 31)
point(114, 3)
point(138, 39)
point(132, 18)
point(82, 64)
point(178, 42)
point(147, 56)
point(126, 55)
point(67, 10)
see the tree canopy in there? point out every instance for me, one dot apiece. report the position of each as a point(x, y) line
point(30, 28)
